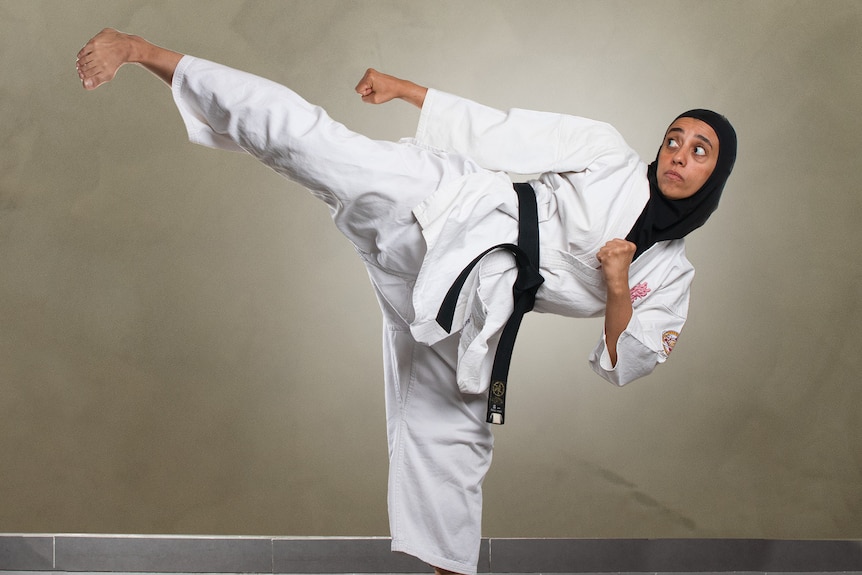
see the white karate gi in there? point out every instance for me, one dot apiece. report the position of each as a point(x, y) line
point(417, 212)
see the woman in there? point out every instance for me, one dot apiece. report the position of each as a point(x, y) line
point(421, 210)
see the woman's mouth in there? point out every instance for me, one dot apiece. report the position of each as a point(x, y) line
point(672, 175)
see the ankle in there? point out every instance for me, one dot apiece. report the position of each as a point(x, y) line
point(139, 50)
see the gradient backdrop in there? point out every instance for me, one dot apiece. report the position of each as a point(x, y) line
point(188, 346)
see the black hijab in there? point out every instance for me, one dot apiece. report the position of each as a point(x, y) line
point(666, 219)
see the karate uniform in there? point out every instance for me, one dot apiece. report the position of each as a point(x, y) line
point(417, 212)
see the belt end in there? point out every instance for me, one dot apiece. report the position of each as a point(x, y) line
point(496, 402)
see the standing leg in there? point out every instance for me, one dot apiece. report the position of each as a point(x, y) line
point(439, 445)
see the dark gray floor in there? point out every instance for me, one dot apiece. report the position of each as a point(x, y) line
point(192, 554)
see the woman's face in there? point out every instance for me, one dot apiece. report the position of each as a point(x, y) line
point(687, 157)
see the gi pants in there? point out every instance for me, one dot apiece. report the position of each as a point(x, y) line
point(439, 444)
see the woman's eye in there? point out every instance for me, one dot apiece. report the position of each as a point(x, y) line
point(700, 150)
point(671, 143)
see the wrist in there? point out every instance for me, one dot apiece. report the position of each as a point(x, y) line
point(138, 49)
point(617, 287)
point(413, 93)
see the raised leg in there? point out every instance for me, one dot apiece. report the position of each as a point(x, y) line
point(370, 186)
point(440, 446)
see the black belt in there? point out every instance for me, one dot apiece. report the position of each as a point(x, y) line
point(524, 291)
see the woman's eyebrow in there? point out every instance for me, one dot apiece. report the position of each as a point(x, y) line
point(703, 139)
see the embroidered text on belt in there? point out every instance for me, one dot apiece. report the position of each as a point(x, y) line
point(524, 291)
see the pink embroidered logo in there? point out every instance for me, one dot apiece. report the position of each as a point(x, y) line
point(639, 291)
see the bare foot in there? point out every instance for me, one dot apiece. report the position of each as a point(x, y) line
point(101, 57)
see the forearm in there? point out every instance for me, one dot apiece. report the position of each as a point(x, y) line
point(618, 314)
point(413, 93)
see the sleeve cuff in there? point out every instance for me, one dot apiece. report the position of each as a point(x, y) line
point(634, 360)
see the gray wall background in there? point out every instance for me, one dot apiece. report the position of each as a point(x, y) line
point(188, 346)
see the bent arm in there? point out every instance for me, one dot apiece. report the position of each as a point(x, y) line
point(616, 258)
point(656, 320)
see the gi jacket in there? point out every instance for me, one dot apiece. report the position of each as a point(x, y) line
point(592, 188)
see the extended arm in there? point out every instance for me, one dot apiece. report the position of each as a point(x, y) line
point(518, 141)
point(101, 57)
